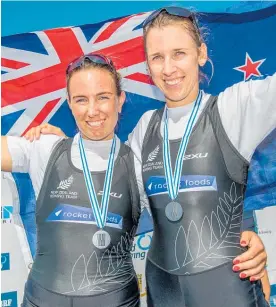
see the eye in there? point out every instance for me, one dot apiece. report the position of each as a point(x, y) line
point(80, 100)
point(156, 58)
point(179, 53)
point(103, 97)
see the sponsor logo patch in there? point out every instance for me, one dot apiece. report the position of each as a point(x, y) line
point(199, 155)
point(189, 183)
point(82, 215)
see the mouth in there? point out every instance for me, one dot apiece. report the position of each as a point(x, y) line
point(174, 82)
point(95, 123)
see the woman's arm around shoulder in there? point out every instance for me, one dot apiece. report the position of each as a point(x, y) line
point(248, 113)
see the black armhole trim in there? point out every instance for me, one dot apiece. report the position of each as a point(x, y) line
point(226, 136)
point(128, 159)
point(156, 114)
point(213, 107)
point(63, 145)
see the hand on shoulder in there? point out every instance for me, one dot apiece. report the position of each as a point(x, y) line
point(43, 129)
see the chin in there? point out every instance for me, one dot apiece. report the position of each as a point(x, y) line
point(98, 137)
point(92, 137)
point(175, 99)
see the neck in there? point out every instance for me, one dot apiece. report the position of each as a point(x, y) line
point(190, 98)
point(98, 151)
point(106, 138)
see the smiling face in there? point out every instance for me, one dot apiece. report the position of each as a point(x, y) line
point(173, 59)
point(95, 103)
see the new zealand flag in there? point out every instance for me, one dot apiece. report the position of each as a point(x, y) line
point(241, 46)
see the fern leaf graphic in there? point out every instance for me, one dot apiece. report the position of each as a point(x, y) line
point(216, 241)
point(153, 154)
point(65, 184)
point(113, 267)
point(79, 265)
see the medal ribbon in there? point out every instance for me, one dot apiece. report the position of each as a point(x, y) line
point(173, 181)
point(100, 214)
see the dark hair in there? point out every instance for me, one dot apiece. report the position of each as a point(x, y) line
point(87, 64)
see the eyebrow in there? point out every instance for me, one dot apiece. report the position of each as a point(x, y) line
point(78, 96)
point(103, 93)
point(176, 49)
point(156, 53)
point(179, 49)
point(98, 94)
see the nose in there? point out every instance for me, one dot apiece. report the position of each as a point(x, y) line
point(93, 108)
point(169, 67)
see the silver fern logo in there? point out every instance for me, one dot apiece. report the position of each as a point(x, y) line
point(114, 266)
point(215, 241)
point(65, 184)
point(153, 154)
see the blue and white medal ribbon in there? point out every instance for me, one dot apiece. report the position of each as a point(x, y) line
point(173, 181)
point(100, 214)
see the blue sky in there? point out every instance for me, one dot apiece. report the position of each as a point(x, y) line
point(26, 16)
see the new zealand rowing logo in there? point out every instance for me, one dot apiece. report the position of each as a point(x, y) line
point(65, 184)
point(153, 154)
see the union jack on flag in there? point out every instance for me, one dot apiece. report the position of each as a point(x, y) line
point(34, 64)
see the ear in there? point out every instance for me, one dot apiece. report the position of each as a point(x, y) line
point(203, 55)
point(122, 99)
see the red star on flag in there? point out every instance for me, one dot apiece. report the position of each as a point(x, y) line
point(250, 68)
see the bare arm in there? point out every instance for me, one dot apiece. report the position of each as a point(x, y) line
point(266, 286)
point(6, 160)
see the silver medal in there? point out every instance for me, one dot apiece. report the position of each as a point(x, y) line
point(101, 239)
point(173, 211)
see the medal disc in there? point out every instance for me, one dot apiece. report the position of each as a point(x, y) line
point(101, 239)
point(173, 211)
